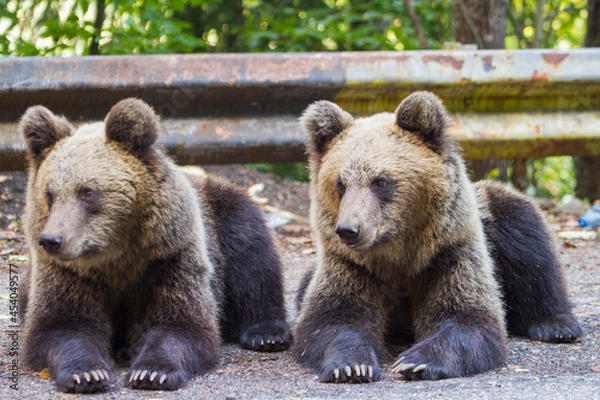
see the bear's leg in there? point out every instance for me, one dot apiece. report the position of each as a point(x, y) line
point(339, 333)
point(302, 288)
point(253, 307)
point(464, 344)
point(458, 316)
point(68, 331)
point(174, 334)
point(529, 270)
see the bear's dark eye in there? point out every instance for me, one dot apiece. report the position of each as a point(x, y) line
point(91, 198)
point(380, 183)
point(383, 188)
point(340, 187)
point(87, 194)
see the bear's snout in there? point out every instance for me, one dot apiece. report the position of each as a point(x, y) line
point(50, 243)
point(348, 233)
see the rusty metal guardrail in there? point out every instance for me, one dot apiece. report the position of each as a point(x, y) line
point(238, 108)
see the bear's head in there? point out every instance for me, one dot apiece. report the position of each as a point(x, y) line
point(84, 184)
point(378, 179)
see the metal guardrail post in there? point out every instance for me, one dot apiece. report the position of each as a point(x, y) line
point(238, 108)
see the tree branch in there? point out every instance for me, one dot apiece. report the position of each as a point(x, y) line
point(471, 25)
point(517, 26)
point(100, 5)
point(416, 23)
point(538, 22)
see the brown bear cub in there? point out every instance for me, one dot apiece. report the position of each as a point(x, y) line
point(410, 251)
point(136, 262)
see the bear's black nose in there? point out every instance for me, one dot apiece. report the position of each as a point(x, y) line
point(347, 232)
point(50, 243)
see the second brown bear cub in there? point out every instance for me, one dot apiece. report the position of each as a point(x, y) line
point(409, 250)
point(135, 261)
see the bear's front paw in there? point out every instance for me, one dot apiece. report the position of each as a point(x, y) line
point(267, 337)
point(83, 381)
point(560, 329)
point(148, 379)
point(416, 367)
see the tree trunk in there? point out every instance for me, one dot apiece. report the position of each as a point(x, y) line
point(519, 174)
point(416, 24)
point(588, 168)
point(95, 42)
point(481, 22)
point(592, 37)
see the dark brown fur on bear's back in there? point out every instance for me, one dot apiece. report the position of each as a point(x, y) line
point(248, 268)
point(402, 252)
point(527, 265)
point(133, 262)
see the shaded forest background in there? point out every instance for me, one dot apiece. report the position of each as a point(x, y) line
point(108, 27)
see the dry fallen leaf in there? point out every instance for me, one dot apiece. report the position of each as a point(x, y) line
point(18, 258)
point(595, 368)
point(254, 190)
point(45, 374)
point(299, 240)
point(585, 235)
point(283, 213)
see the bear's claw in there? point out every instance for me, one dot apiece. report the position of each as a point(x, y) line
point(267, 337)
point(86, 382)
point(400, 367)
point(415, 367)
point(561, 329)
point(145, 379)
point(268, 345)
point(352, 374)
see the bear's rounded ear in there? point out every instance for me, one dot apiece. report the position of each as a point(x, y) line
point(323, 121)
point(42, 130)
point(133, 124)
point(423, 114)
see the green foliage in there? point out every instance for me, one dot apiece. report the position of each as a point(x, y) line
point(551, 177)
point(295, 171)
point(68, 27)
point(316, 25)
point(564, 24)
point(145, 27)
point(63, 27)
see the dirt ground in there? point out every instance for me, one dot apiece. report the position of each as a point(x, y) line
point(533, 370)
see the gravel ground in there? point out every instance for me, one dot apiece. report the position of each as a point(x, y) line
point(533, 370)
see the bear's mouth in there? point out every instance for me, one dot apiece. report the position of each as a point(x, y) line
point(355, 244)
point(366, 242)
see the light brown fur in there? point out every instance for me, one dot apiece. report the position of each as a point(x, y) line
point(133, 259)
point(407, 250)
